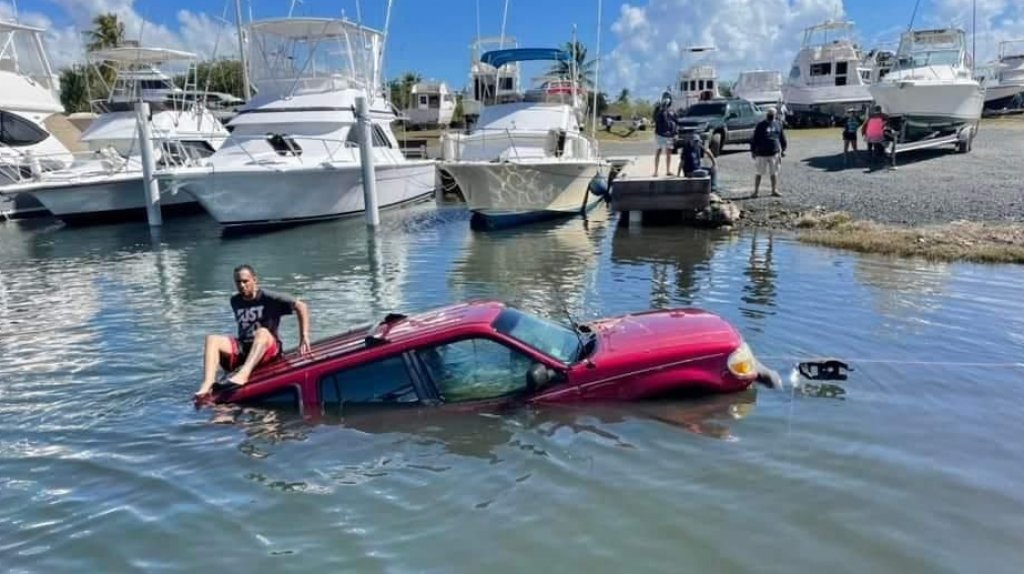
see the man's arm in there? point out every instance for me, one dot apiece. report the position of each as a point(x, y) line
point(782, 138)
point(711, 156)
point(302, 313)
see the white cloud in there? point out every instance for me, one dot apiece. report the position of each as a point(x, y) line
point(652, 35)
point(201, 33)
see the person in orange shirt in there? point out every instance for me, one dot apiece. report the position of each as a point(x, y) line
point(874, 131)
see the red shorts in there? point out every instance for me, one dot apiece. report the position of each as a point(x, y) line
point(239, 352)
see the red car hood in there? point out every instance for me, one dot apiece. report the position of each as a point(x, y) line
point(660, 337)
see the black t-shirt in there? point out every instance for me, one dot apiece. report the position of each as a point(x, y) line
point(264, 310)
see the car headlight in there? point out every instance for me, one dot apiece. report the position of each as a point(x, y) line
point(741, 363)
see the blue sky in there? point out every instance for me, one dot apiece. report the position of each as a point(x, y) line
point(641, 41)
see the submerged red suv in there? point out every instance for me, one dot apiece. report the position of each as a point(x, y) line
point(488, 352)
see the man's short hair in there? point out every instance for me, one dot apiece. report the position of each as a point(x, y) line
point(244, 267)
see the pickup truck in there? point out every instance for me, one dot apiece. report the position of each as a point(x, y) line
point(721, 121)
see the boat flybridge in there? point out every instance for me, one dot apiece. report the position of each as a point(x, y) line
point(431, 104)
point(760, 87)
point(1004, 88)
point(931, 87)
point(698, 82)
point(827, 76)
point(489, 84)
point(30, 98)
point(528, 158)
point(293, 154)
point(106, 183)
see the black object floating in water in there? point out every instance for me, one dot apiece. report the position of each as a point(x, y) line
point(824, 370)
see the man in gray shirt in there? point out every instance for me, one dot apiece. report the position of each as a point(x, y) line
point(258, 313)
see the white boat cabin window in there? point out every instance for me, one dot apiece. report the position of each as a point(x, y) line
point(822, 69)
point(284, 144)
point(16, 131)
point(386, 381)
point(380, 139)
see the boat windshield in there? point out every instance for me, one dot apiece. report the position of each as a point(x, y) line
point(705, 110)
point(20, 53)
point(555, 340)
point(930, 58)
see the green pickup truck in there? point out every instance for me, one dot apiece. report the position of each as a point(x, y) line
point(721, 122)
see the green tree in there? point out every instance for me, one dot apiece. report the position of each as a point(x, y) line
point(725, 90)
point(400, 89)
point(584, 69)
point(623, 98)
point(74, 88)
point(107, 32)
point(217, 76)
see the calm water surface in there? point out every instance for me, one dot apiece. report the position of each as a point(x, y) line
point(914, 465)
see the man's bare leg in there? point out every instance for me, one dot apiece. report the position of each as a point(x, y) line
point(261, 341)
point(757, 184)
point(668, 163)
point(775, 187)
point(657, 159)
point(216, 345)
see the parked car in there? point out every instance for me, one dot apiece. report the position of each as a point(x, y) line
point(721, 122)
point(488, 352)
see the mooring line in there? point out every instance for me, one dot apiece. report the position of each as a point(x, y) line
point(907, 362)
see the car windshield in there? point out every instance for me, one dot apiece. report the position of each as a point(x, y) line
point(550, 338)
point(705, 110)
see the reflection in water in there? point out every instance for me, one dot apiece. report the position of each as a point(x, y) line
point(677, 256)
point(903, 288)
point(547, 269)
point(759, 291)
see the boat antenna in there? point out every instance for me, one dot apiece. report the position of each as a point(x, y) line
point(504, 19)
point(246, 86)
point(291, 7)
point(359, 12)
point(384, 40)
point(974, 33)
point(597, 74)
point(478, 22)
point(913, 15)
point(14, 9)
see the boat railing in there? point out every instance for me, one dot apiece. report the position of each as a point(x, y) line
point(506, 144)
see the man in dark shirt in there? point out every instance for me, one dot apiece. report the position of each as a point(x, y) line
point(691, 151)
point(258, 313)
point(664, 132)
point(767, 148)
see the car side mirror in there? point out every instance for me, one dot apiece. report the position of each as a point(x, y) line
point(540, 376)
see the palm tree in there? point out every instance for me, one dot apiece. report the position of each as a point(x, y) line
point(107, 32)
point(584, 69)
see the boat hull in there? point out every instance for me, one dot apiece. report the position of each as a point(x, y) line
point(826, 100)
point(259, 198)
point(931, 103)
point(1004, 97)
point(505, 194)
point(104, 200)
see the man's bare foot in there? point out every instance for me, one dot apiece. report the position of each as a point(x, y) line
point(776, 194)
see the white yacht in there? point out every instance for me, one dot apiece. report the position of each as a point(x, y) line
point(29, 99)
point(761, 87)
point(931, 85)
point(827, 76)
point(106, 184)
point(293, 155)
point(698, 82)
point(1004, 87)
point(527, 159)
point(431, 105)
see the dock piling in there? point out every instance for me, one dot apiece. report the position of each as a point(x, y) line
point(150, 186)
point(366, 158)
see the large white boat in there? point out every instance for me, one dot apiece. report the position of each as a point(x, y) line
point(698, 81)
point(106, 184)
point(29, 99)
point(1004, 87)
point(828, 75)
point(931, 85)
point(293, 155)
point(527, 159)
point(431, 105)
point(761, 87)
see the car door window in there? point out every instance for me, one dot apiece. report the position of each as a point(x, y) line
point(386, 381)
point(475, 369)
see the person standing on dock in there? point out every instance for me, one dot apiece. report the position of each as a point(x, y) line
point(768, 147)
point(664, 132)
point(258, 313)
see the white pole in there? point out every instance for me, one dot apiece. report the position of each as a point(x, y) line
point(241, 51)
point(366, 157)
point(150, 186)
point(597, 73)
